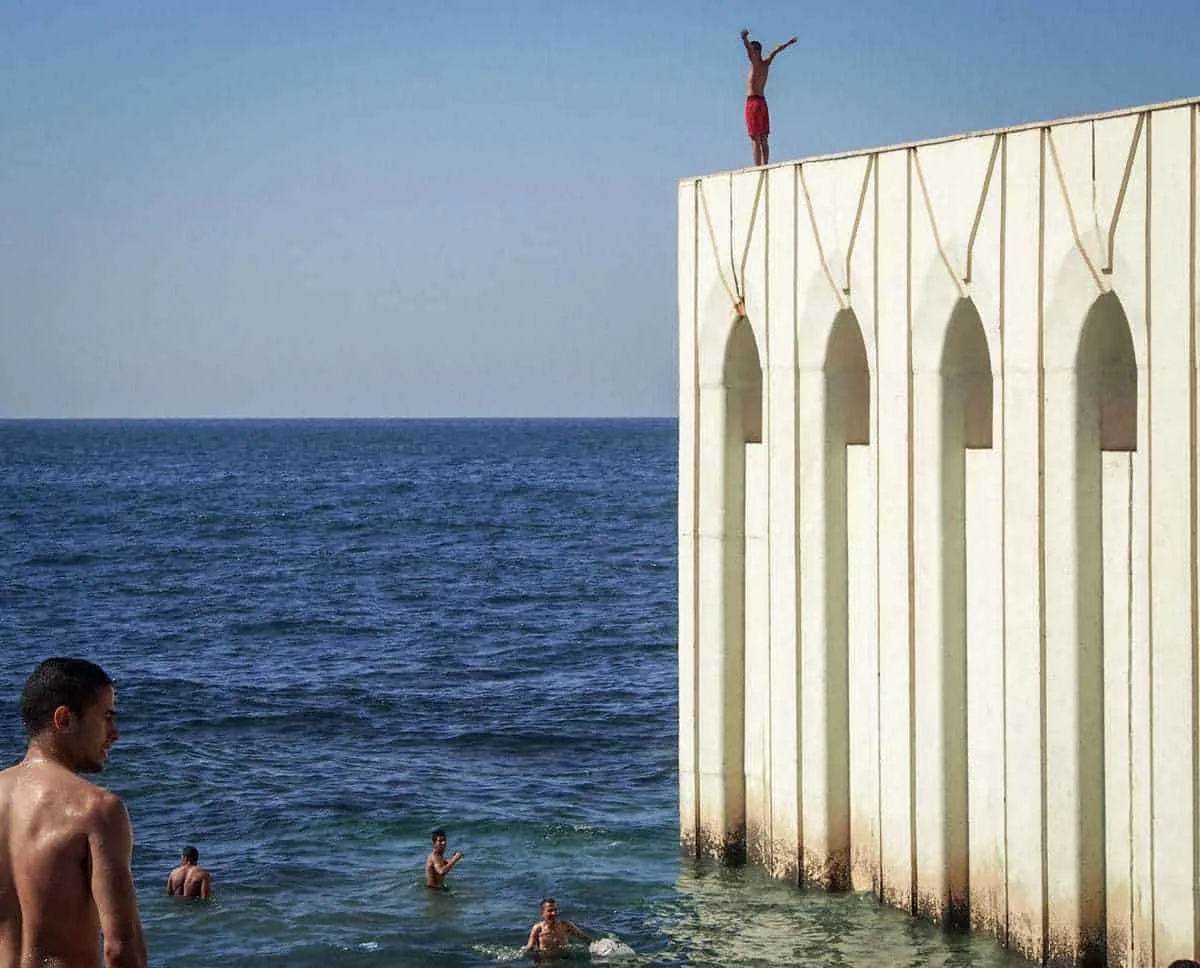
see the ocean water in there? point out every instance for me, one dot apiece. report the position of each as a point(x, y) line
point(331, 637)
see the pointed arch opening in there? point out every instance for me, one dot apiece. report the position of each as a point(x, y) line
point(844, 570)
point(970, 570)
point(738, 607)
point(967, 372)
point(1106, 440)
point(1107, 370)
point(742, 381)
point(848, 381)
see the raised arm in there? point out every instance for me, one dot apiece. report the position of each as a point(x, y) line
point(786, 44)
point(441, 866)
point(111, 845)
point(746, 44)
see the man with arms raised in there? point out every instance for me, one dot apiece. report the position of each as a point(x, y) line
point(758, 120)
point(65, 843)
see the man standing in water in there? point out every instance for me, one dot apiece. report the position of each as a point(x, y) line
point(436, 865)
point(550, 937)
point(758, 120)
point(66, 844)
point(189, 879)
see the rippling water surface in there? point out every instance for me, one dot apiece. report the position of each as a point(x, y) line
point(330, 638)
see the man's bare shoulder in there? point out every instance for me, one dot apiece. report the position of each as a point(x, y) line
point(103, 810)
point(36, 780)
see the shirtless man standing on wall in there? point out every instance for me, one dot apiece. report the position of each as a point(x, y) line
point(189, 879)
point(758, 121)
point(65, 843)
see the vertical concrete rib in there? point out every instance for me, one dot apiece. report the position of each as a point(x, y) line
point(1041, 371)
point(1003, 399)
point(1192, 403)
point(911, 577)
point(696, 513)
point(878, 603)
point(1150, 524)
point(768, 436)
point(796, 496)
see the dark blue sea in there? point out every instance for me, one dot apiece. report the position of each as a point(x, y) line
point(331, 637)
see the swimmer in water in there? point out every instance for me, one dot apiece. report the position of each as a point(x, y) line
point(436, 865)
point(189, 879)
point(550, 937)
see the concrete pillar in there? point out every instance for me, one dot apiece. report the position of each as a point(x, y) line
point(1172, 445)
point(784, 515)
point(1023, 524)
point(895, 588)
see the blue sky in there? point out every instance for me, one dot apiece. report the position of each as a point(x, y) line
point(457, 208)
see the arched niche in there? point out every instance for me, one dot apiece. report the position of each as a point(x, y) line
point(967, 375)
point(1106, 417)
point(848, 381)
point(847, 406)
point(741, 376)
point(747, 579)
point(965, 424)
point(731, 422)
point(1107, 369)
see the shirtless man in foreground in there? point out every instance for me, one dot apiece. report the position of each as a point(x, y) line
point(189, 879)
point(758, 120)
point(550, 937)
point(65, 843)
point(436, 865)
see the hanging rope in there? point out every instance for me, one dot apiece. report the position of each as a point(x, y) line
point(734, 297)
point(812, 220)
point(1062, 186)
point(750, 230)
point(735, 289)
point(937, 238)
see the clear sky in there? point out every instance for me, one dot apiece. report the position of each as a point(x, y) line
point(449, 207)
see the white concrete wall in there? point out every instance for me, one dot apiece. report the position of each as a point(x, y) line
point(938, 511)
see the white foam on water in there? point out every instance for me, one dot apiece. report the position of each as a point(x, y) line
point(608, 948)
point(504, 955)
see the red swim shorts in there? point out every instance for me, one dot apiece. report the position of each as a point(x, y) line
point(758, 121)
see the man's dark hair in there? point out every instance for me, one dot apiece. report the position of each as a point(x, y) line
point(757, 45)
point(74, 683)
point(549, 900)
point(191, 855)
point(438, 833)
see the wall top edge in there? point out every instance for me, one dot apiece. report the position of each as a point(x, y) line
point(904, 145)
